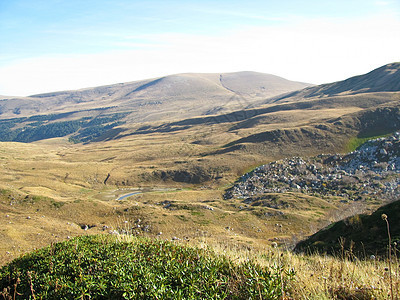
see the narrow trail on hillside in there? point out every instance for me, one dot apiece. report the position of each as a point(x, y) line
point(237, 97)
point(115, 194)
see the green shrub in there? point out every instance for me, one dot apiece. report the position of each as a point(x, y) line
point(100, 267)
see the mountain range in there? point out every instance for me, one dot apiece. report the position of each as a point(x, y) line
point(256, 106)
point(91, 112)
point(309, 121)
point(169, 97)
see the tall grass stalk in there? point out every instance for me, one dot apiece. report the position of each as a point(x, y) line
point(385, 218)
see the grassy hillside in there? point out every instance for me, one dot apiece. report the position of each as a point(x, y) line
point(193, 162)
point(383, 79)
point(362, 234)
point(194, 215)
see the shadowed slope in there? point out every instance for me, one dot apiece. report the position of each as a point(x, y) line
point(368, 233)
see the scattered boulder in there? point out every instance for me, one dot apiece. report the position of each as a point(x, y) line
point(86, 226)
point(370, 171)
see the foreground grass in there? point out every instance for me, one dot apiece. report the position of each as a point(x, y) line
point(328, 277)
point(109, 267)
point(101, 267)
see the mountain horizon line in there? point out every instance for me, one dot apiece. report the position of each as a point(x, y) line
point(179, 74)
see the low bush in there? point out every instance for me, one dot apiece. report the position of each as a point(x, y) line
point(101, 267)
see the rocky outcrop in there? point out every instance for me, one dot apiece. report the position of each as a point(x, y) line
point(372, 171)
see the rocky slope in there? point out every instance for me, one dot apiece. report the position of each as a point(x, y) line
point(370, 172)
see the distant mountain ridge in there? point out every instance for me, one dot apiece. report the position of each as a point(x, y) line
point(217, 92)
point(382, 79)
point(91, 112)
point(355, 111)
point(246, 102)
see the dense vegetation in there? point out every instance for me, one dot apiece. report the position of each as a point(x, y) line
point(101, 267)
point(41, 127)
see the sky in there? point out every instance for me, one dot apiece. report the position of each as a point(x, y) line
point(53, 45)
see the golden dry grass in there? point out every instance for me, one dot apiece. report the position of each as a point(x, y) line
point(74, 175)
point(55, 187)
point(321, 276)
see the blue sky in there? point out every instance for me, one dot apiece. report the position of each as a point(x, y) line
point(56, 45)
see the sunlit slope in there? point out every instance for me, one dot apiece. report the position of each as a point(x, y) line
point(155, 99)
point(382, 79)
point(307, 123)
